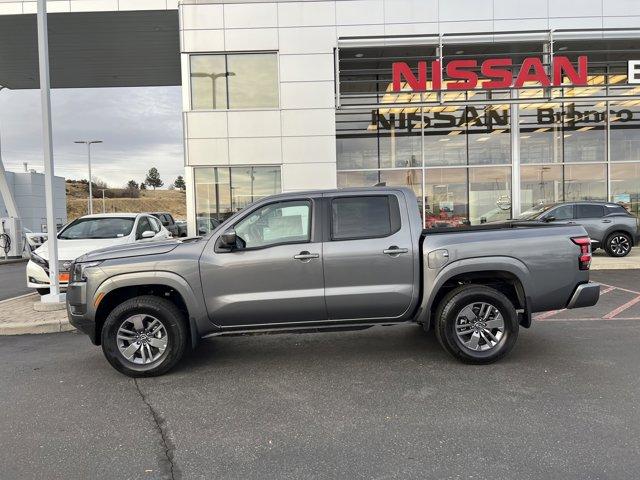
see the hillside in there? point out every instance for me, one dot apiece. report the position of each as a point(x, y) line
point(172, 201)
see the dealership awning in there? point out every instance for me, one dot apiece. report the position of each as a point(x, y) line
point(93, 49)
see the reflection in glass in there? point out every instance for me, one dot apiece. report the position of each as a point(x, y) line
point(624, 118)
point(208, 82)
point(358, 179)
point(222, 191)
point(489, 194)
point(445, 197)
point(584, 134)
point(625, 185)
point(540, 133)
point(585, 182)
point(253, 80)
point(540, 185)
point(404, 178)
point(234, 81)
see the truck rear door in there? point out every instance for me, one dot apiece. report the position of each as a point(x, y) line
point(368, 255)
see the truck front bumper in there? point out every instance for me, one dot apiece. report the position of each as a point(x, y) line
point(77, 310)
point(585, 295)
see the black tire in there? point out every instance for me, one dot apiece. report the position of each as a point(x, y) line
point(618, 244)
point(43, 291)
point(447, 315)
point(155, 308)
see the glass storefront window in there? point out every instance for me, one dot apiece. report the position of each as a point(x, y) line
point(445, 197)
point(358, 179)
point(234, 81)
point(489, 194)
point(624, 118)
point(445, 141)
point(253, 80)
point(208, 82)
point(585, 182)
point(584, 132)
point(540, 133)
point(625, 185)
point(222, 191)
point(540, 185)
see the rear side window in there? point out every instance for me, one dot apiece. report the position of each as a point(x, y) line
point(590, 211)
point(364, 217)
point(617, 209)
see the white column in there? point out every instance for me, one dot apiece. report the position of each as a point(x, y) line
point(45, 96)
point(192, 229)
point(515, 156)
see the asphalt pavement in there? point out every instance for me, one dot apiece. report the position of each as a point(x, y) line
point(13, 281)
point(381, 403)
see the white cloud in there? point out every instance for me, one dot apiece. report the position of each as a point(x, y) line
point(140, 127)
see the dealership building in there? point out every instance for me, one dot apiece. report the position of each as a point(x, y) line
point(282, 96)
point(485, 108)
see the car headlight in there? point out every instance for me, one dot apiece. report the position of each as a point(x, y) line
point(38, 260)
point(78, 270)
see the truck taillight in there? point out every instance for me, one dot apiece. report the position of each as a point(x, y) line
point(584, 260)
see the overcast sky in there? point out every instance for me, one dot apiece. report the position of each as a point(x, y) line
point(140, 127)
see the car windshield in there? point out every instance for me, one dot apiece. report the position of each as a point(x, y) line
point(85, 228)
point(534, 212)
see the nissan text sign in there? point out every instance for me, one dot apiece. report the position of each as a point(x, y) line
point(497, 73)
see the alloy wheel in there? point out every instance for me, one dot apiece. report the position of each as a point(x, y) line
point(480, 326)
point(142, 339)
point(620, 245)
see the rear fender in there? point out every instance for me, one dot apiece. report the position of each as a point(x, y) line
point(433, 281)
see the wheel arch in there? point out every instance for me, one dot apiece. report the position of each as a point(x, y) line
point(506, 274)
point(166, 285)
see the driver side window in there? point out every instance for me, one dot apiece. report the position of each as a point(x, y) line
point(564, 212)
point(276, 223)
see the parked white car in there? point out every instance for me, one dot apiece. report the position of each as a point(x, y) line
point(89, 233)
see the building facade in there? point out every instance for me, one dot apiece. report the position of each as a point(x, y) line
point(27, 189)
point(486, 108)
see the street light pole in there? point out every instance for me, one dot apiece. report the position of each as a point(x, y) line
point(88, 143)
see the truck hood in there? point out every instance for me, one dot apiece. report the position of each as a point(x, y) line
point(131, 250)
point(72, 249)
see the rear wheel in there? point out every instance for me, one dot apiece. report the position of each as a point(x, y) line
point(144, 336)
point(618, 244)
point(476, 324)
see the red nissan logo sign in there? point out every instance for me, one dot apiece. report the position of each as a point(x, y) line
point(497, 73)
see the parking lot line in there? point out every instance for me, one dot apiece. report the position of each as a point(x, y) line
point(618, 288)
point(622, 308)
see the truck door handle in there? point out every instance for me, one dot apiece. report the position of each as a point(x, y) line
point(606, 221)
point(305, 256)
point(394, 250)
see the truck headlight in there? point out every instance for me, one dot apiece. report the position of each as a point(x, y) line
point(78, 270)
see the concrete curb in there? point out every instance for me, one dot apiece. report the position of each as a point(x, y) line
point(25, 328)
point(13, 260)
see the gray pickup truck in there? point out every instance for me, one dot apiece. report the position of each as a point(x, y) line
point(325, 260)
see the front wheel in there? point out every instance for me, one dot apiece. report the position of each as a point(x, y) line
point(618, 245)
point(144, 336)
point(476, 324)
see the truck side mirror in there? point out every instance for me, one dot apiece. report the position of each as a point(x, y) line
point(228, 239)
point(550, 218)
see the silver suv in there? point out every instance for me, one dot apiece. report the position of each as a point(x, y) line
point(609, 225)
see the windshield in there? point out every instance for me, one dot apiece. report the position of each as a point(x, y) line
point(84, 228)
point(534, 212)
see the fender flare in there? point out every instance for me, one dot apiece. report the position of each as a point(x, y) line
point(164, 278)
point(506, 264)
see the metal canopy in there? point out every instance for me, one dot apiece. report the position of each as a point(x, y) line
point(93, 49)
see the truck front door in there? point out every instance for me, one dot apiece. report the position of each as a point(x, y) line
point(274, 275)
point(369, 257)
